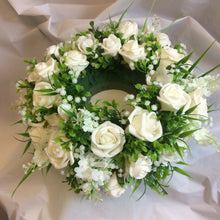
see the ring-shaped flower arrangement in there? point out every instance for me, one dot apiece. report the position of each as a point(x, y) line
point(97, 146)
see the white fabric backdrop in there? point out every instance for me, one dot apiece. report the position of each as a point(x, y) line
point(27, 27)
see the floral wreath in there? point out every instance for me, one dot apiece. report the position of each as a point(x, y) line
point(99, 146)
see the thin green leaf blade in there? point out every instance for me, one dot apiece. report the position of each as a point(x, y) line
point(187, 133)
point(137, 184)
point(185, 59)
point(44, 90)
point(26, 147)
point(180, 171)
point(30, 171)
point(145, 22)
point(191, 110)
point(23, 134)
point(123, 14)
point(200, 58)
point(173, 23)
point(211, 70)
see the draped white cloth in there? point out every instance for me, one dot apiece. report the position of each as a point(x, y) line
point(27, 28)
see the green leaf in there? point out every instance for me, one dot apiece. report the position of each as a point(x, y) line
point(182, 163)
point(134, 157)
point(184, 59)
point(91, 23)
point(188, 133)
point(192, 109)
point(176, 146)
point(180, 171)
point(30, 171)
point(143, 29)
point(138, 86)
point(34, 61)
point(123, 14)
point(137, 184)
point(23, 134)
point(211, 70)
point(18, 122)
point(28, 61)
point(106, 103)
point(69, 113)
point(79, 88)
point(173, 23)
point(50, 94)
point(87, 94)
point(144, 149)
point(27, 147)
point(48, 168)
point(58, 140)
point(198, 60)
point(181, 128)
point(44, 90)
point(180, 111)
point(57, 83)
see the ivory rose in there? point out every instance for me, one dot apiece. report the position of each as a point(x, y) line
point(132, 52)
point(128, 28)
point(84, 42)
point(161, 75)
point(54, 49)
point(172, 98)
point(43, 70)
point(58, 156)
point(140, 168)
point(197, 99)
point(39, 99)
point(169, 56)
point(76, 61)
point(144, 125)
point(107, 140)
point(39, 135)
point(115, 190)
point(163, 39)
point(111, 45)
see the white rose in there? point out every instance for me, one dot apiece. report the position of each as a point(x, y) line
point(54, 49)
point(39, 135)
point(128, 28)
point(87, 41)
point(169, 56)
point(53, 119)
point(163, 39)
point(111, 45)
point(161, 75)
point(107, 140)
point(58, 156)
point(40, 157)
point(76, 61)
point(132, 52)
point(61, 111)
point(115, 190)
point(140, 168)
point(172, 98)
point(40, 99)
point(144, 125)
point(43, 70)
point(197, 99)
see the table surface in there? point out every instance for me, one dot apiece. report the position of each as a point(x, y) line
point(27, 28)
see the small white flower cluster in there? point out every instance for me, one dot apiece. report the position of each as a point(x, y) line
point(208, 83)
point(93, 169)
point(90, 120)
